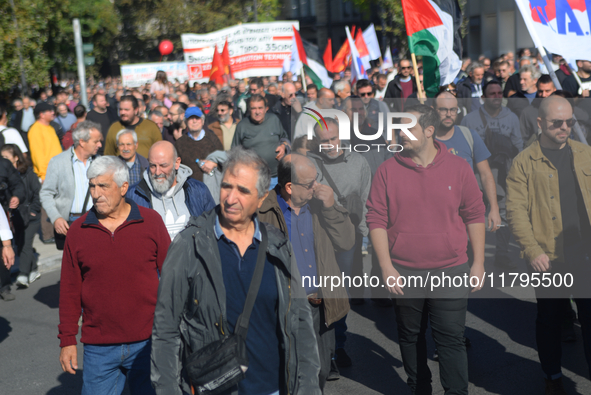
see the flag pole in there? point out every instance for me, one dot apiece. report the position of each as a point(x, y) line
point(416, 69)
point(548, 63)
point(304, 85)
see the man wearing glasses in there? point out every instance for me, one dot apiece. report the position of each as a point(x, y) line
point(401, 87)
point(306, 212)
point(288, 108)
point(225, 126)
point(548, 201)
point(373, 107)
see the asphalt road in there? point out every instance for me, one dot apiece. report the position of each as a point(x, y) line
point(502, 359)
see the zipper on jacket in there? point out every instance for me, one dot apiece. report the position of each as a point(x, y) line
point(287, 334)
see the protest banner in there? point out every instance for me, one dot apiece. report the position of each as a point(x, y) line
point(255, 49)
point(134, 75)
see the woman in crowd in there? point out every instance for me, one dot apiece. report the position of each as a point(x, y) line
point(160, 83)
point(27, 218)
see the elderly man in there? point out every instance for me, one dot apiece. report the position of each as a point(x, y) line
point(216, 255)
point(168, 188)
point(65, 194)
point(342, 90)
point(137, 164)
point(470, 89)
point(528, 80)
point(146, 130)
point(112, 261)
point(262, 132)
point(158, 118)
point(288, 108)
point(548, 202)
point(306, 211)
point(196, 143)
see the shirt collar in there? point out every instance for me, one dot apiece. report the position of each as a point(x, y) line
point(75, 157)
point(134, 214)
point(217, 228)
point(282, 203)
point(198, 138)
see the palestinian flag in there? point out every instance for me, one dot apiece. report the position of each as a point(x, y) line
point(433, 27)
point(311, 59)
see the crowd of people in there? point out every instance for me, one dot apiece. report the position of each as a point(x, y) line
point(176, 188)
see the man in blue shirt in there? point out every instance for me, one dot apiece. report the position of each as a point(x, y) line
point(306, 211)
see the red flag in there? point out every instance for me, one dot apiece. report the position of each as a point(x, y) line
point(340, 61)
point(300, 46)
point(327, 57)
point(360, 44)
point(226, 60)
point(216, 73)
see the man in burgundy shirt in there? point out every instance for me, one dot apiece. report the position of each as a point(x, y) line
point(110, 269)
point(420, 204)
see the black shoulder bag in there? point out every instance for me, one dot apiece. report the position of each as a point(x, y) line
point(351, 203)
point(497, 143)
point(222, 364)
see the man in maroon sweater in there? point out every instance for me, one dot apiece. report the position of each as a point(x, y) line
point(420, 204)
point(112, 259)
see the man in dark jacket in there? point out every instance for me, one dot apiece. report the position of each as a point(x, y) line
point(168, 188)
point(469, 90)
point(305, 211)
point(203, 289)
point(401, 87)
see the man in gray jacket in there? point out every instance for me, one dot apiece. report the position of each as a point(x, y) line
point(64, 194)
point(204, 284)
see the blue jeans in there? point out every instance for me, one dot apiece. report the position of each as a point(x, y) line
point(106, 366)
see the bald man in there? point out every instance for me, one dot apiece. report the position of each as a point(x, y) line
point(168, 188)
point(288, 108)
point(305, 211)
point(325, 101)
point(548, 201)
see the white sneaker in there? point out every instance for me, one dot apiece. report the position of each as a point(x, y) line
point(22, 281)
point(34, 275)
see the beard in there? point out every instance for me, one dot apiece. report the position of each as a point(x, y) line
point(224, 118)
point(162, 183)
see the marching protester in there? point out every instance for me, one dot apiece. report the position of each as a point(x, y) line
point(115, 236)
point(27, 217)
point(225, 242)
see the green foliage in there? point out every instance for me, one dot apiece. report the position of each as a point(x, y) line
point(122, 31)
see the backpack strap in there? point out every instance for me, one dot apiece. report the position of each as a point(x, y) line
point(468, 136)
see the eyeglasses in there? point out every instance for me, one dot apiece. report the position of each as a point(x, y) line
point(556, 123)
point(443, 110)
point(309, 185)
point(406, 68)
point(366, 94)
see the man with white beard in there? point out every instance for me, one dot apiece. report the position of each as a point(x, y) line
point(168, 188)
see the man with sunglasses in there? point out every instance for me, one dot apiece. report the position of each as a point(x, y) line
point(401, 87)
point(225, 125)
point(373, 107)
point(548, 201)
point(306, 212)
point(288, 108)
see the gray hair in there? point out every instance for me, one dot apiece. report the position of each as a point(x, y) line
point(82, 131)
point(109, 165)
point(534, 72)
point(155, 113)
point(242, 156)
point(126, 131)
point(473, 66)
point(340, 85)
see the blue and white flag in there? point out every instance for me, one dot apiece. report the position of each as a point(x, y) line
point(563, 27)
